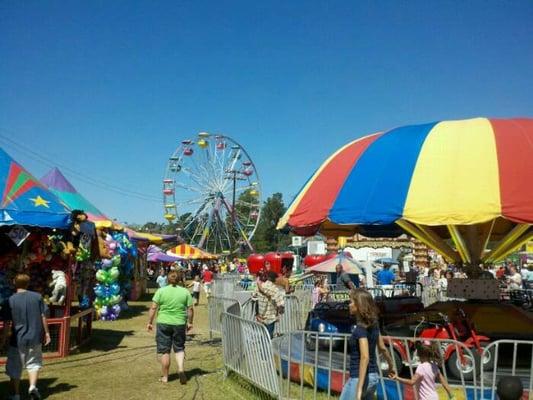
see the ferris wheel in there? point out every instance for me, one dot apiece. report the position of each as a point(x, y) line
point(211, 191)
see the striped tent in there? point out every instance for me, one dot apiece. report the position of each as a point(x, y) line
point(189, 252)
point(62, 188)
point(462, 187)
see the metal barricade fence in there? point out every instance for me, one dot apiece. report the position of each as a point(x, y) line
point(290, 320)
point(225, 285)
point(247, 351)
point(217, 306)
point(504, 358)
point(310, 363)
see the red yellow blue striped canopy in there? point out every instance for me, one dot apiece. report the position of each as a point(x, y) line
point(447, 173)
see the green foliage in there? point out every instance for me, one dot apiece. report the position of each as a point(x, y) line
point(267, 237)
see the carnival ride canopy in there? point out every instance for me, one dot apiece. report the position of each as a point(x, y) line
point(189, 252)
point(26, 201)
point(462, 187)
point(349, 265)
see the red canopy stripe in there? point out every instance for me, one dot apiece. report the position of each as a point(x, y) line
point(515, 165)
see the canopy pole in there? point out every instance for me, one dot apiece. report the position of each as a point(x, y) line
point(509, 241)
point(426, 230)
point(516, 245)
point(459, 244)
point(427, 239)
point(483, 240)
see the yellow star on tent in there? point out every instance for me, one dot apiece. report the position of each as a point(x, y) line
point(39, 201)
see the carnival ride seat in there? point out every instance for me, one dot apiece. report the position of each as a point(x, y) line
point(333, 311)
point(399, 305)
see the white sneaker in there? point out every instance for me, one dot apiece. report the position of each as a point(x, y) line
point(34, 394)
point(14, 397)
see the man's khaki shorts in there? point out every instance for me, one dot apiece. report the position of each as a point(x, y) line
point(23, 357)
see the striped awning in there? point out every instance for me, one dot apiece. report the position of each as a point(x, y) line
point(189, 252)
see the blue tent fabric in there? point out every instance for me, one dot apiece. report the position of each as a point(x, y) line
point(26, 201)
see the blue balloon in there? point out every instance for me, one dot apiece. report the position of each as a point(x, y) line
point(100, 290)
point(114, 288)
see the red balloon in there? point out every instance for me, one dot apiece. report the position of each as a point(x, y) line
point(275, 261)
point(255, 263)
point(313, 259)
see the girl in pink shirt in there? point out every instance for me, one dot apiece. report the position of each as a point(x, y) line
point(426, 375)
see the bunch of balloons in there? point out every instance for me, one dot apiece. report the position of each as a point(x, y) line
point(107, 290)
point(128, 252)
point(114, 276)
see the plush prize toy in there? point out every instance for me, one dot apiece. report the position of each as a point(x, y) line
point(59, 285)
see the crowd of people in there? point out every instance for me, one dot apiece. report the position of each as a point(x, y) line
point(173, 310)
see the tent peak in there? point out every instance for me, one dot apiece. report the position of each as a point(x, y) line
point(56, 180)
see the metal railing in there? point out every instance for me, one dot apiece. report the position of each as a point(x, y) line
point(216, 306)
point(289, 321)
point(311, 363)
point(225, 285)
point(300, 364)
point(506, 358)
point(247, 351)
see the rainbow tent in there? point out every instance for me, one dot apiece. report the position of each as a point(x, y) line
point(189, 252)
point(464, 188)
point(60, 186)
point(26, 201)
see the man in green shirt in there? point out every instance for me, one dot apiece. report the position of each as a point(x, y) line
point(173, 306)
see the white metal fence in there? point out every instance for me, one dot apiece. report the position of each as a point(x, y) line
point(289, 321)
point(507, 358)
point(217, 306)
point(247, 351)
point(225, 285)
point(300, 364)
point(312, 363)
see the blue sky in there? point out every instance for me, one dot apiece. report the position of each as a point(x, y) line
point(110, 88)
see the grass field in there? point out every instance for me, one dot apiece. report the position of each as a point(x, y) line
point(120, 362)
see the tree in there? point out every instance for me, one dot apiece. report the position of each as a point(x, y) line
point(267, 237)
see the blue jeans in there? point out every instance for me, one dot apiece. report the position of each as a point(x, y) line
point(270, 329)
point(350, 388)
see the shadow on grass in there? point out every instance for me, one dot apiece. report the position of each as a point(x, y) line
point(46, 387)
point(105, 340)
point(133, 310)
point(190, 374)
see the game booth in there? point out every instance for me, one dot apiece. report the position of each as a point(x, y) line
point(122, 251)
point(40, 236)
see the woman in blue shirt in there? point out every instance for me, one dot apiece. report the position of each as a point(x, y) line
point(364, 376)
